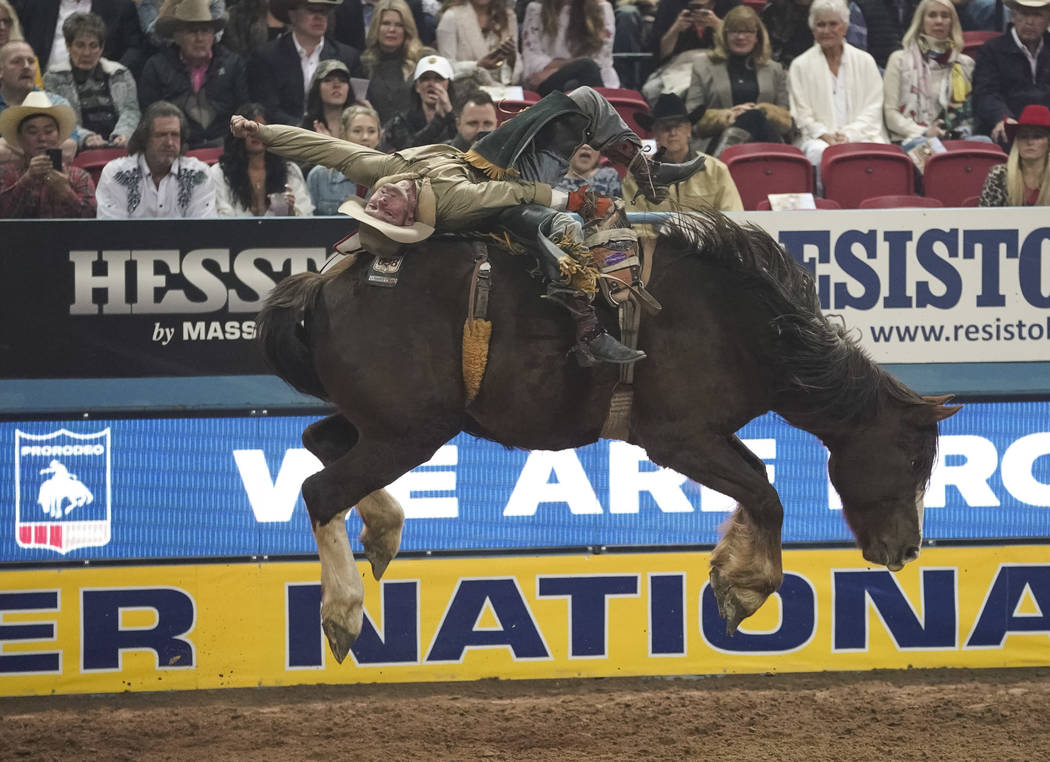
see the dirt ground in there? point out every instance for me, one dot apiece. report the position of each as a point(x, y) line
point(912, 715)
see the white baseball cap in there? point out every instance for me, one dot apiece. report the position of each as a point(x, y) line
point(436, 64)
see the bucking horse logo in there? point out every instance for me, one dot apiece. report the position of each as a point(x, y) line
point(63, 492)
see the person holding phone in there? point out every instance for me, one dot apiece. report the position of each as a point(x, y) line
point(42, 185)
point(682, 31)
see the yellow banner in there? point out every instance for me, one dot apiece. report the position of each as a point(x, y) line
point(236, 625)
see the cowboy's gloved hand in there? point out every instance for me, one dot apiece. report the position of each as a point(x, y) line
point(578, 201)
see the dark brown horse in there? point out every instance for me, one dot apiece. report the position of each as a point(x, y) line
point(740, 333)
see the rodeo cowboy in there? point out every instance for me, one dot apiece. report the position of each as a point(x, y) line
point(507, 176)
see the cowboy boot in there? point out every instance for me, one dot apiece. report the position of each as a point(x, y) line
point(653, 176)
point(593, 343)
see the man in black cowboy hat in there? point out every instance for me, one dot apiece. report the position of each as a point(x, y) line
point(205, 80)
point(710, 188)
point(280, 72)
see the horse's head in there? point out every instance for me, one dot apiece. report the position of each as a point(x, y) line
point(881, 471)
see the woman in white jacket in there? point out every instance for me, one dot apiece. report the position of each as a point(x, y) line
point(835, 89)
point(480, 37)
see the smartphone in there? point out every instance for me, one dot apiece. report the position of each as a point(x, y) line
point(55, 154)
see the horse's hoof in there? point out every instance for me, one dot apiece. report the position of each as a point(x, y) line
point(381, 549)
point(730, 606)
point(339, 638)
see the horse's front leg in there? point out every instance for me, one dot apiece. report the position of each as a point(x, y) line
point(746, 563)
point(342, 589)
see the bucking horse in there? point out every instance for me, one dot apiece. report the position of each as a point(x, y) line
point(740, 333)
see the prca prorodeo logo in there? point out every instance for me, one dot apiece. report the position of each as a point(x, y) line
point(62, 490)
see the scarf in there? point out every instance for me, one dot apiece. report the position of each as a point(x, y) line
point(918, 101)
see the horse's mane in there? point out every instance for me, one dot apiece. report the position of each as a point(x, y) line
point(812, 354)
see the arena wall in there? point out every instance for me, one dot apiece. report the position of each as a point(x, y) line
point(191, 563)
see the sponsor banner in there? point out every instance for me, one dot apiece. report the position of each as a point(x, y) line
point(99, 630)
point(929, 286)
point(178, 298)
point(230, 486)
point(99, 299)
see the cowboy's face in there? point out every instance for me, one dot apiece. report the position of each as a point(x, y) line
point(1032, 142)
point(165, 142)
point(394, 203)
point(310, 19)
point(19, 67)
point(195, 39)
point(1031, 23)
point(37, 134)
point(475, 118)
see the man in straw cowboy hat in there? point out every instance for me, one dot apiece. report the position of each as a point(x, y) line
point(1013, 70)
point(418, 190)
point(35, 187)
point(205, 80)
point(281, 71)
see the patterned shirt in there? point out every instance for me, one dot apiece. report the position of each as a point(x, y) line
point(604, 182)
point(126, 190)
point(21, 198)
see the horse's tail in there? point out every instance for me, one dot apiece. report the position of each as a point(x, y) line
point(281, 332)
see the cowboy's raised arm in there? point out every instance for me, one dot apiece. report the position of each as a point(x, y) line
point(362, 165)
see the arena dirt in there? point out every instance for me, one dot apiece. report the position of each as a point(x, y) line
point(911, 715)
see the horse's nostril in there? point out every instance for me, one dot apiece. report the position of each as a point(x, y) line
point(911, 554)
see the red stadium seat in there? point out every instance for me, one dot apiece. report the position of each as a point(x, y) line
point(975, 39)
point(759, 169)
point(207, 155)
point(971, 201)
point(530, 96)
point(627, 103)
point(508, 107)
point(899, 202)
point(852, 172)
point(758, 5)
point(959, 172)
point(92, 160)
point(822, 203)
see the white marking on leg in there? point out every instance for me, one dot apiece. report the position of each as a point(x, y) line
point(342, 589)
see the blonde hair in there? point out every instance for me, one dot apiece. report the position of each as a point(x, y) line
point(955, 35)
point(15, 35)
point(352, 112)
point(411, 48)
point(1015, 190)
point(739, 16)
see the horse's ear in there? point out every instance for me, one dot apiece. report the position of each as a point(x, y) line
point(938, 410)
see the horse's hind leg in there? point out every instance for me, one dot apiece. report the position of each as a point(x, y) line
point(746, 564)
point(383, 518)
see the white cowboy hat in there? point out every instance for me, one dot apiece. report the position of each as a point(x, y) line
point(185, 12)
point(37, 102)
point(1044, 4)
point(383, 238)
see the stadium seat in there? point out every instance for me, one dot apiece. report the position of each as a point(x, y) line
point(627, 104)
point(959, 172)
point(758, 5)
point(759, 169)
point(509, 107)
point(207, 155)
point(975, 39)
point(899, 202)
point(852, 172)
point(970, 201)
point(822, 203)
point(93, 160)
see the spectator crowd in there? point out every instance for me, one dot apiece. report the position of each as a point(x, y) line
point(142, 91)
